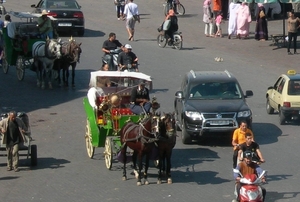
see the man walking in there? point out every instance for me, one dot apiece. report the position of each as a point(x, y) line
point(132, 15)
point(13, 130)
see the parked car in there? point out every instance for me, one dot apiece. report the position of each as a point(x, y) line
point(284, 97)
point(67, 13)
point(209, 102)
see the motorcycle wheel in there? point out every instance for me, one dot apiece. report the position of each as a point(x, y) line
point(161, 41)
point(177, 42)
point(180, 9)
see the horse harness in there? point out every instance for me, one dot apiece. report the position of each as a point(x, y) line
point(144, 139)
point(68, 49)
point(46, 44)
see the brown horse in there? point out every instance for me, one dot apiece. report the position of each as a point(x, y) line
point(71, 51)
point(141, 139)
point(166, 143)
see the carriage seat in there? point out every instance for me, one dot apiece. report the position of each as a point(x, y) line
point(29, 30)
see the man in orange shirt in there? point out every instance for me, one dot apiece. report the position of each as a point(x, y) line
point(239, 138)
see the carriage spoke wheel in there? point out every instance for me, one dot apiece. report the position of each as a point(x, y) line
point(108, 153)
point(88, 140)
point(20, 68)
point(5, 65)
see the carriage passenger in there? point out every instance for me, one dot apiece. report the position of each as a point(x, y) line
point(92, 95)
point(45, 26)
point(140, 99)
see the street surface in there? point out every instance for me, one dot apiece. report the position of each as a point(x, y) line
point(201, 172)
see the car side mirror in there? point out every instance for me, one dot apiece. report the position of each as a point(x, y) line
point(32, 6)
point(179, 94)
point(249, 93)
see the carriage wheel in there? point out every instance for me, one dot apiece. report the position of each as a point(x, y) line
point(5, 65)
point(88, 140)
point(33, 155)
point(20, 68)
point(108, 153)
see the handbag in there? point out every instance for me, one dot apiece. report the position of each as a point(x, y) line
point(135, 17)
point(166, 25)
point(261, 14)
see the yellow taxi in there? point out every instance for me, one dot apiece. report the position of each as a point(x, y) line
point(284, 97)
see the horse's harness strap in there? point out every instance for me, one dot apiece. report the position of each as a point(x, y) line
point(46, 50)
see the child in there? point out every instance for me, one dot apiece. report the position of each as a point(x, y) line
point(218, 24)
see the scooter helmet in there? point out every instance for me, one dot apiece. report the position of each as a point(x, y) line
point(248, 154)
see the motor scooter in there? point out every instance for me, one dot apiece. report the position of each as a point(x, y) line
point(250, 189)
point(112, 59)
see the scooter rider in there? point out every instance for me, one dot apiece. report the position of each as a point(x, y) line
point(173, 25)
point(248, 167)
point(127, 60)
point(251, 146)
point(108, 46)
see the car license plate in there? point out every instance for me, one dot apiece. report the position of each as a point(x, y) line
point(219, 123)
point(65, 24)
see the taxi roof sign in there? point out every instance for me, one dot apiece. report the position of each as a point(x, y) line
point(291, 72)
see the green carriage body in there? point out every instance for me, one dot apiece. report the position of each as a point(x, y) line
point(106, 119)
point(18, 39)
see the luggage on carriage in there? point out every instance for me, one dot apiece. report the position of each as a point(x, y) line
point(109, 110)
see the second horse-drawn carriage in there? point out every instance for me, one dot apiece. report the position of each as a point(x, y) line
point(112, 125)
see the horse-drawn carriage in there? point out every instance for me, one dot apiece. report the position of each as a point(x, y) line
point(111, 111)
point(24, 48)
point(112, 125)
point(18, 39)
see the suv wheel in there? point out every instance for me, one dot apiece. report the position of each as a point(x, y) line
point(281, 118)
point(270, 109)
point(185, 137)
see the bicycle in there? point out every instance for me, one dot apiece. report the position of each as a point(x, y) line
point(179, 9)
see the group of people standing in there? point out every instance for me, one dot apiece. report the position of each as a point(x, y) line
point(239, 20)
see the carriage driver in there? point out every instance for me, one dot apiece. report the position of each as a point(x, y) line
point(140, 99)
point(45, 25)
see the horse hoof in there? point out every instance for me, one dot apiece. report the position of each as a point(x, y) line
point(38, 84)
point(159, 182)
point(124, 178)
point(138, 183)
point(50, 86)
point(146, 182)
point(170, 181)
point(136, 174)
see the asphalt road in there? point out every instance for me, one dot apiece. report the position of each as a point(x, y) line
point(200, 172)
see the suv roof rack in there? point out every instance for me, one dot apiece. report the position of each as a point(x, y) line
point(193, 73)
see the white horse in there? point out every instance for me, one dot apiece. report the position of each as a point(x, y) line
point(44, 54)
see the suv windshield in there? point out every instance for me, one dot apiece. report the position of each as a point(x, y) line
point(215, 90)
point(294, 87)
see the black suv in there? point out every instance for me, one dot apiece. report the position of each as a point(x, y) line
point(210, 101)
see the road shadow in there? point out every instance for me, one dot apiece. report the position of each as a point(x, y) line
point(52, 163)
point(279, 196)
point(278, 177)
point(187, 15)
point(261, 130)
point(93, 33)
point(145, 40)
point(201, 178)
point(9, 178)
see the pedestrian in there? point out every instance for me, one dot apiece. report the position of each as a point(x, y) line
point(232, 23)
point(293, 24)
point(243, 21)
point(217, 7)
point(261, 28)
point(132, 15)
point(13, 130)
point(120, 4)
point(219, 20)
point(208, 18)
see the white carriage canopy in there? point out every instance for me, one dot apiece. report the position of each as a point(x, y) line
point(118, 74)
